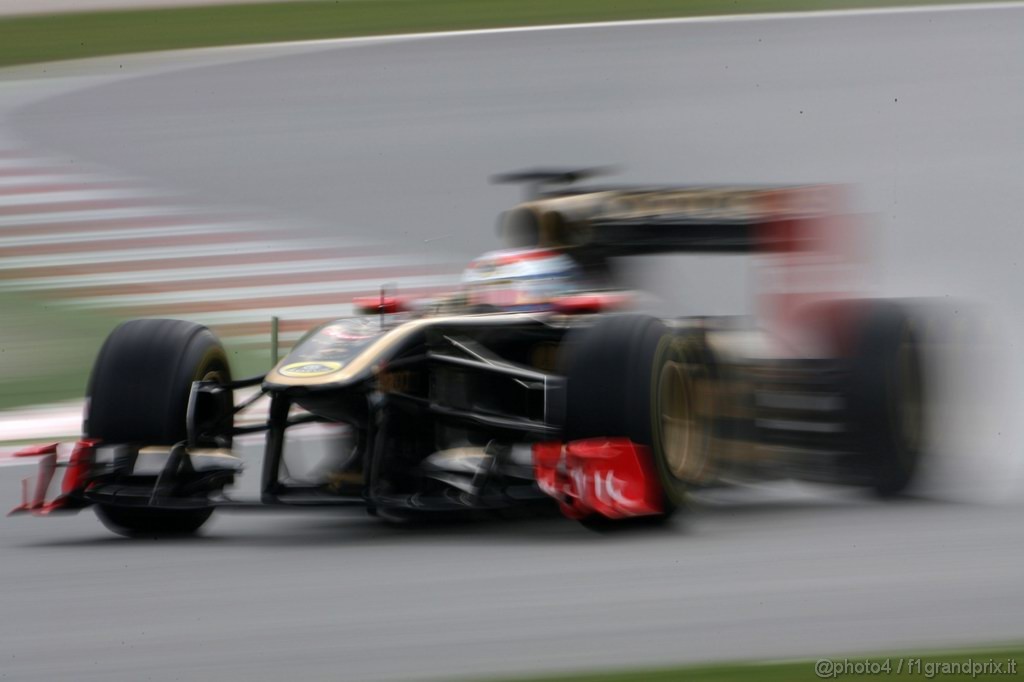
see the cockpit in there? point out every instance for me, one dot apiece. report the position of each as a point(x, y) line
point(521, 280)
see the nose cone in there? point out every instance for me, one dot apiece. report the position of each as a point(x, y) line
point(330, 354)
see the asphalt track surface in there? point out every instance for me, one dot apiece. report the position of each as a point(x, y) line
point(394, 139)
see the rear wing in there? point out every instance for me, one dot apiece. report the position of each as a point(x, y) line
point(810, 248)
point(713, 219)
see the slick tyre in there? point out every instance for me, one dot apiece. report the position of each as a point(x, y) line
point(138, 393)
point(139, 387)
point(630, 376)
point(135, 522)
point(887, 396)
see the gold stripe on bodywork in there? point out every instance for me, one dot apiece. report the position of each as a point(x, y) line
point(192, 452)
point(376, 351)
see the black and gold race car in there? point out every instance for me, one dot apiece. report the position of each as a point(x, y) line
point(534, 385)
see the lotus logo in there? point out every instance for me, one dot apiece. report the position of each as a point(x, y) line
point(309, 369)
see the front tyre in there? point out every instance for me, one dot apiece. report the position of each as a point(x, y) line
point(142, 378)
point(138, 394)
point(630, 376)
point(139, 522)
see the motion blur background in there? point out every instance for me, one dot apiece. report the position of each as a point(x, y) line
point(226, 186)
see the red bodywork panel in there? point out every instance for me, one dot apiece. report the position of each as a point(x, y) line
point(380, 304)
point(582, 304)
point(612, 477)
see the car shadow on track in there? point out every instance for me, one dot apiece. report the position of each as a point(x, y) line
point(284, 530)
point(711, 515)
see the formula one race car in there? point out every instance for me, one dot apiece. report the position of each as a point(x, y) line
point(531, 386)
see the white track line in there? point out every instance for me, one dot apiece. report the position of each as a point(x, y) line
point(283, 338)
point(327, 311)
point(69, 240)
point(42, 423)
point(95, 215)
point(30, 162)
point(258, 315)
point(666, 21)
point(242, 294)
point(46, 198)
point(155, 253)
point(46, 180)
point(186, 273)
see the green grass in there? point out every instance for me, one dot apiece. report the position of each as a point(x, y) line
point(46, 351)
point(30, 39)
point(804, 671)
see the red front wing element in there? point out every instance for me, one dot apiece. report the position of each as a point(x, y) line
point(37, 450)
point(76, 477)
point(613, 477)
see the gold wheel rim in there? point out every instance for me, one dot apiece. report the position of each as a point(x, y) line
point(213, 375)
point(207, 370)
point(679, 428)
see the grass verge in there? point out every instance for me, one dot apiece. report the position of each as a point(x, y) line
point(47, 350)
point(950, 666)
point(41, 38)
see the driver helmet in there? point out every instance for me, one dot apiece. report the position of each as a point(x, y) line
point(522, 280)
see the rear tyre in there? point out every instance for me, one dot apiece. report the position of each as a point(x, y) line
point(888, 396)
point(138, 393)
point(630, 376)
